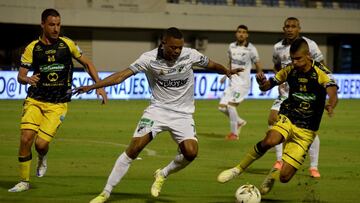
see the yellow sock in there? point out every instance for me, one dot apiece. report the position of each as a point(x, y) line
point(24, 167)
point(252, 155)
point(275, 174)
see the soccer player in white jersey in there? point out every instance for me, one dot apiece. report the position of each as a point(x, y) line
point(168, 69)
point(242, 54)
point(281, 58)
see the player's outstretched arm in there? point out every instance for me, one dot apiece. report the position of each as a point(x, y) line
point(222, 70)
point(332, 101)
point(113, 79)
point(91, 70)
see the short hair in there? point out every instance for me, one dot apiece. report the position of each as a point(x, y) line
point(299, 44)
point(243, 27)
point(172, 32)
point(49, 12)
point(292, 18)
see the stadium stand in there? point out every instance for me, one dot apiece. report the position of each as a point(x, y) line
point(328, 4)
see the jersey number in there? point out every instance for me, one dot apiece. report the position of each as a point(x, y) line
point(51, 58)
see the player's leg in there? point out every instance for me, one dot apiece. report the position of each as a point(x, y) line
point(233, 115)
point(122, 164)
point(188, 152)
point(294, 156)
point(145, 131)
point(272, 119)
point(54, 115)
point(25, 158)
point(314, 158)
point(42, 147)
point(271, 139)
point(29, 126)
point(182, 129)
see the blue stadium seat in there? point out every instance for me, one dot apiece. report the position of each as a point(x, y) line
point(245, 2)
point(271, 3)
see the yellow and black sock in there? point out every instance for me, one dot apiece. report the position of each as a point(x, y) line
point(253, 154)
point(24, 167)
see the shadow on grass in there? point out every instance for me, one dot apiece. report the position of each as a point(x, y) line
point(147, 198)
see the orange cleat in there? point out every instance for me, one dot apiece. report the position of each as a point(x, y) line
point(314, 172)
point(278, 165)
point(232, 136)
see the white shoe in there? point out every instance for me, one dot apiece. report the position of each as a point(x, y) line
point(41, 167)
point(228, 174)
point(20, 187)
point(268, 183)
point(157, 185)
point(101, 198)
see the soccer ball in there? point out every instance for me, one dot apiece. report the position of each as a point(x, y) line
point(247, 194)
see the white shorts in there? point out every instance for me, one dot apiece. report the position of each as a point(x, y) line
point(283, 94)
point(155, 120)
point(277, 103)
point(234, 95)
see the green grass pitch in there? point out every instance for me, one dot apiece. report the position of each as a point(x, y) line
point(92, 136)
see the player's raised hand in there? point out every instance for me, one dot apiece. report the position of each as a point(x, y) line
point(234, 71)
point(329, 109)
point(33, 79)
point(101, 92)
point(260, 78)
point(81, 90)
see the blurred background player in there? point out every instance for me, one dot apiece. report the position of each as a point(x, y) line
point(242, 54)
point(171, 79)
point(50, 57)
point(299, 116)
point(281, 58)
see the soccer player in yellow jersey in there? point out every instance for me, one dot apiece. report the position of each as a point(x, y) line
point(299, 117)
point(50, 57)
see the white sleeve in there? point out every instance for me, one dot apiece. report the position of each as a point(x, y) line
point(141, 64)
point(315, 52)
point(275, 58)
point(254, 55)
point(199, 59)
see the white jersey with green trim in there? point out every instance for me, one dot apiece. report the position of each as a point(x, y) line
point(242, 57)
point(171, 82)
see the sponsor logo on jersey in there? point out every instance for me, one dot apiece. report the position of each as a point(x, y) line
point(52, 77)
point(52, 68)
point(172, 83)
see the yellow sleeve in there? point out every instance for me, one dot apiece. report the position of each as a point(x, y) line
point(74, 48)
point(324, 78)
point(27, 56)
point(282, 75)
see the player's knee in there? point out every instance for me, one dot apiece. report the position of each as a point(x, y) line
point(284, 178)
point(190, 155)
point(222, 108)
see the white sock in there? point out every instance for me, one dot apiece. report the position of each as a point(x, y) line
point(175, 165)
point(120, 168)
point(314, 152)
point(279, 151)
point(233, 119)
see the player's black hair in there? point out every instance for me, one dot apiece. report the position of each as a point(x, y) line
point(292, 18)
point(243, 27)
point(298, 44)
point(49, 12)
point(173, 32)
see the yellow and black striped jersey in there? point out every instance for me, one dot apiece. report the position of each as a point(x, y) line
point(54, 64)
point(307, 95)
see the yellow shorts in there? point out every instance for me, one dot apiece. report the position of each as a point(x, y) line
point(297, 141)
point(43, 117)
